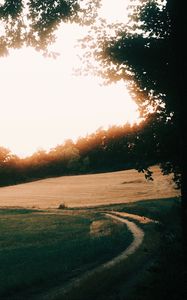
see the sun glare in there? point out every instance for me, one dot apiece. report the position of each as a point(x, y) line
point(114, 11)
point(42, 103)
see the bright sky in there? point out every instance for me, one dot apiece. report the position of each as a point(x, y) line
point(42, 104)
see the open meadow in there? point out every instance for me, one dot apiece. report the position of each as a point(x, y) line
point(88, 190)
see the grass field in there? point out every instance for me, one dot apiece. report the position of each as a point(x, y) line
point(42, 250)
point(39, 250)
point(88, 190)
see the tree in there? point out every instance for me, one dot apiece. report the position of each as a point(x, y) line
point(146, 54)
point(5, 155)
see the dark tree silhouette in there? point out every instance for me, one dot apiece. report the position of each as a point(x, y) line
point(117, 148)
point(144, 54)
point(147, 55)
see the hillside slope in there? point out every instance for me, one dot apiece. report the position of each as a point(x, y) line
point(88, 190)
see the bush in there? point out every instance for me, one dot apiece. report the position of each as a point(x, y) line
point(62, 206)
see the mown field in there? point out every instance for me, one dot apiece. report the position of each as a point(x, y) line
point(88, 190)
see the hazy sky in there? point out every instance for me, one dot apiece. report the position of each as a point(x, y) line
point(42, 103)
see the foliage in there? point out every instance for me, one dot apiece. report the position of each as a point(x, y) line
point(118, 148)
point(145, 54)
point(34, 22)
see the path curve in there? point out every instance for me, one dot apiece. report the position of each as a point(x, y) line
point(140, 219)
point(138, 236)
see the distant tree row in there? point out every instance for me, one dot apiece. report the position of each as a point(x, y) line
point(114, 149)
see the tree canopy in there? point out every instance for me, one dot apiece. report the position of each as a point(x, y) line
point(145, 53)
point(33, 22)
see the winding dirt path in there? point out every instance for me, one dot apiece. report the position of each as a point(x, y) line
point(138, 236)
point(140, 219)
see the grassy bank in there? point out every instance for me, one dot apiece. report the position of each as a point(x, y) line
point(166, 277)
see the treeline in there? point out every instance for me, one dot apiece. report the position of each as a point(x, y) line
point(118, 148)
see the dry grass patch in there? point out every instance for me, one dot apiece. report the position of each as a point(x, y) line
point(88, 190)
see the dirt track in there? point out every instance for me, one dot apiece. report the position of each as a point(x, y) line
point(88, 190)
point(138, 236)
